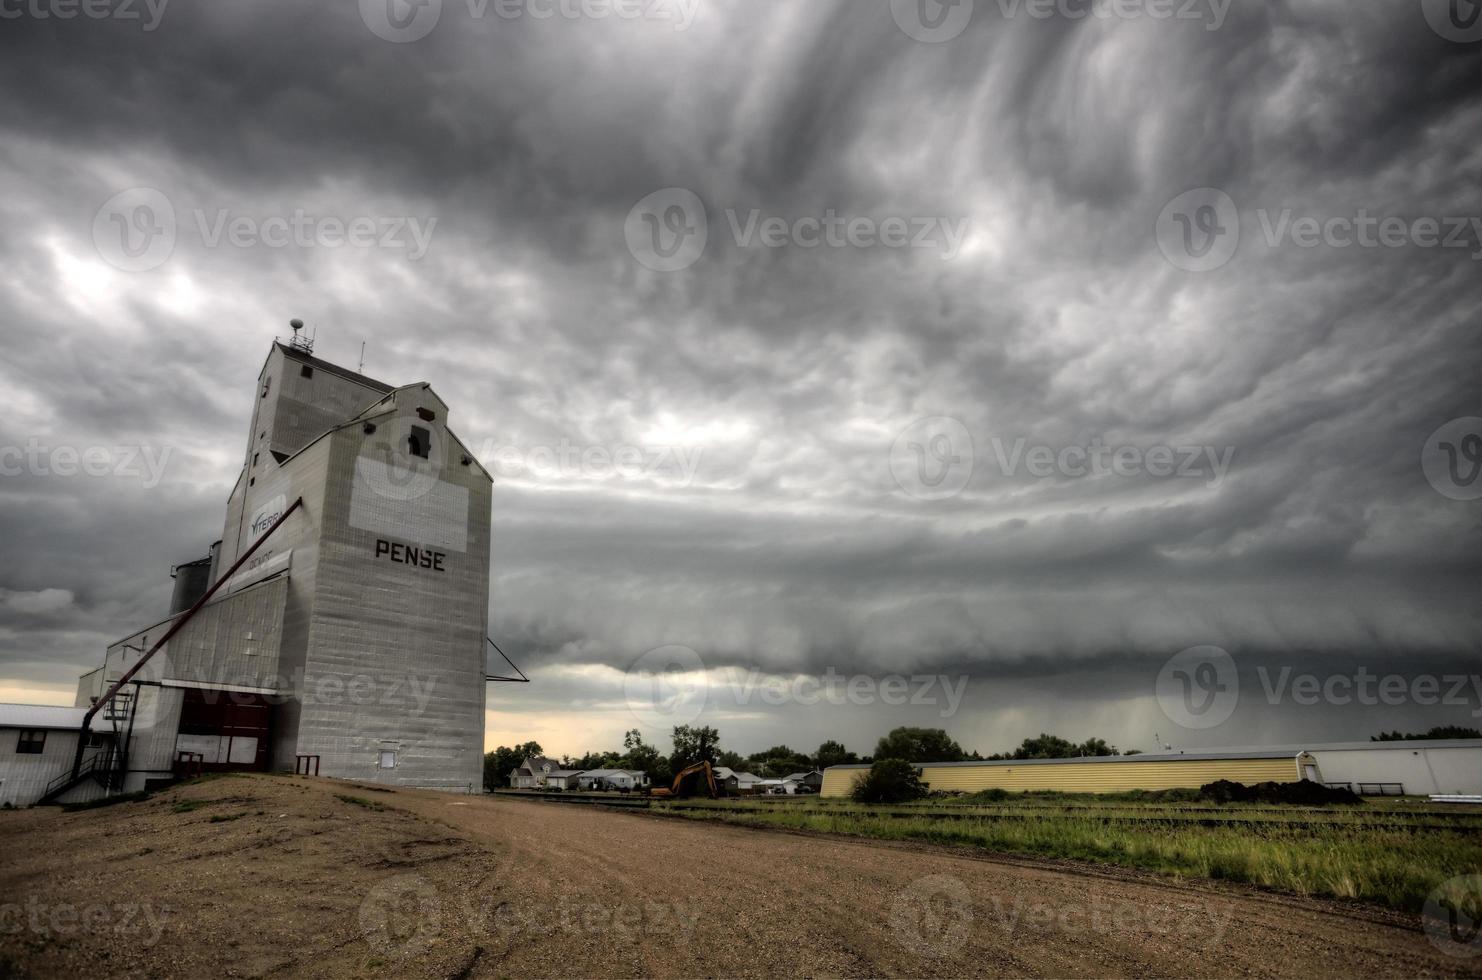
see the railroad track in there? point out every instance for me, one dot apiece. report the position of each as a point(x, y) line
point(1182, 817)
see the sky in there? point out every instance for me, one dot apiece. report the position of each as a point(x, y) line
point(1007, 367)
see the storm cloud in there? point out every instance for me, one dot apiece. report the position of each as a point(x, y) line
point(947, 383)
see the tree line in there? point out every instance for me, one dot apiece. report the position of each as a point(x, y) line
point(696, 743)
point(701, 743)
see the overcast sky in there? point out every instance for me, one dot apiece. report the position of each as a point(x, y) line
point(852, 440)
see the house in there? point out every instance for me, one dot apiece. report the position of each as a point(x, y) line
point(735, 783)
point(813, 781)
point(777, 787)
point(531, 773)
point(621, 780)
point(562, 779)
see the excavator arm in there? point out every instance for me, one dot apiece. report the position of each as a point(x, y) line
point(679, 789)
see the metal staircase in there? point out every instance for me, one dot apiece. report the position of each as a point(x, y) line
point(106, 768)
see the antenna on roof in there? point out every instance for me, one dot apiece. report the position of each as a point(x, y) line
point(298, 341)
point(361, 369)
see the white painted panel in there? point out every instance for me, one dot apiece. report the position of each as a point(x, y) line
point(409, 505)
point(209, 746)
point(258, 570)
point(243, 750)
point(263, 517)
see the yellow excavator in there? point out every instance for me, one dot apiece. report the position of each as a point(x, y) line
point(695, 780)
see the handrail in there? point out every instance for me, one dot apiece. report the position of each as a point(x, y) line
point(174, 628)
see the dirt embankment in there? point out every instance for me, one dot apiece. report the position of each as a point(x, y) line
point(260, 875)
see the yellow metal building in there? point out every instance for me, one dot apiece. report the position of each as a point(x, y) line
point(1105, 774)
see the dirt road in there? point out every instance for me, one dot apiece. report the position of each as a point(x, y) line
point(264, 875)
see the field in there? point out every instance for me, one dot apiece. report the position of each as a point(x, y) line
point(1390, 852)
point(262, 875)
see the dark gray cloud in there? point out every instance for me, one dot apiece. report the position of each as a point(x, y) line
point(764, 522)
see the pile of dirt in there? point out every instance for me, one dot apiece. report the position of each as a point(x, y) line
point(1305, 793)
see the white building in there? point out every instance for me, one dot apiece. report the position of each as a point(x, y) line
point(37, 744)
point(622, 780)
point(1417, 767)
point(354, 637)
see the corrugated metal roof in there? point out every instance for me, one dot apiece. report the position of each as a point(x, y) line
point(1264, 752)
point(40, 716)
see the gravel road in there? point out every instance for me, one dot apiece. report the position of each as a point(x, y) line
point(275, 875)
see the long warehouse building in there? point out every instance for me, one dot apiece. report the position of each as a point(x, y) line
point(1414, 767)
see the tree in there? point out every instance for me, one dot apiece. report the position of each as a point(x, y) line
point(1440, 731)
point(503, 760)
point(833, 753)
point(920, 745)
point(731, 760)
point(889, 781)
point(779, 760)
point(640, 755)
point(692, 744)
point(598, 760)
point(1055, 747)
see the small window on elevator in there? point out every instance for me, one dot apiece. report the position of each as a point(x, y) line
point(419, 443)
point(306, 371)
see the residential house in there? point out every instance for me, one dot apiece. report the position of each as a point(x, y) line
point(813, 781)
point(621, 780)
point(531, 773)
point(562, 779)
point(735, 783)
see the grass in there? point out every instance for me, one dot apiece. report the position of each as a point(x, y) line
point(106, 801)
point(359, 801)
point(226, 817)
point(188, 806)
point(1392, 854)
